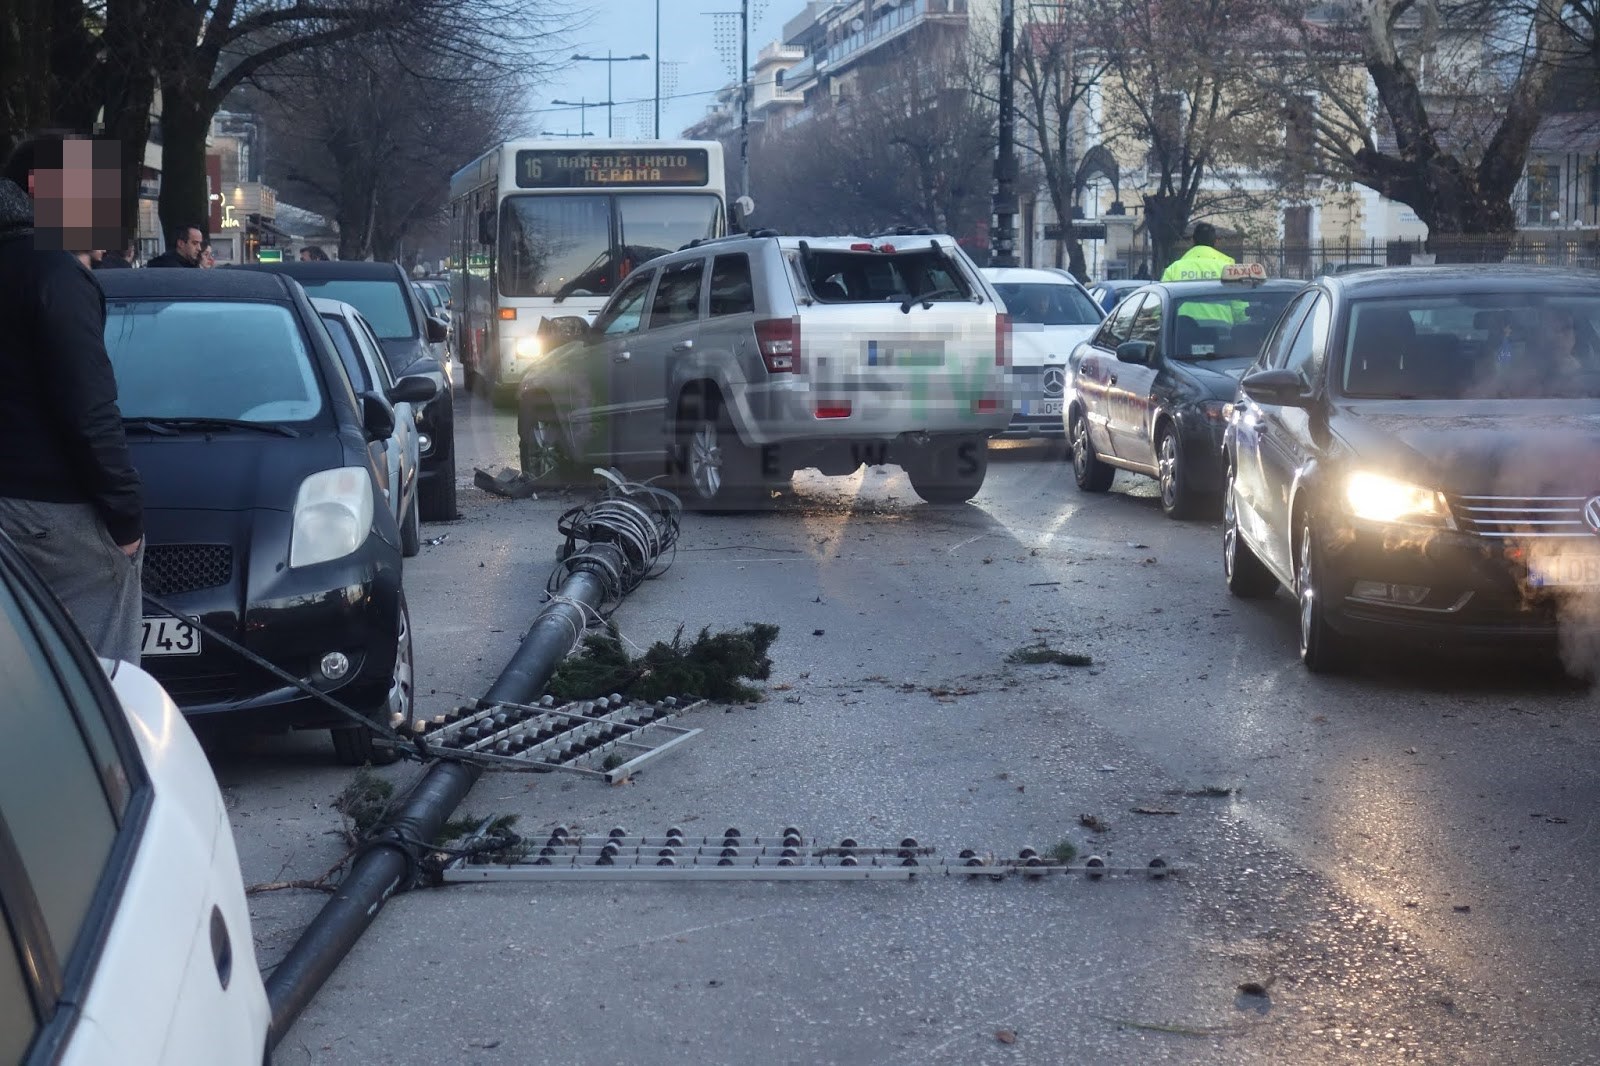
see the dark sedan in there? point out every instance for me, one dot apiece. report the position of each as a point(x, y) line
point(262, 511)
point(1416, 454)
point(1148, 391)
point(386, 299)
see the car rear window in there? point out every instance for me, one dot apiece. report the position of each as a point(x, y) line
point(837, 277)
point(382, 303)
point(1514, 345)
point(211, 359)
point(345, 342)
point(1226, 325)
point(1045, 304)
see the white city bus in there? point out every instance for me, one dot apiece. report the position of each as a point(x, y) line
point(547, 229)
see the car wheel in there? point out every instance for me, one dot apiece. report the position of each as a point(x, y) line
point(1248, 577)
point(1323, 650)
point(1087, 470)
point(717, 470)
point(356, 746)
point(1177, 499)
point(411, 530)
point(544, 458)
point(949, 471)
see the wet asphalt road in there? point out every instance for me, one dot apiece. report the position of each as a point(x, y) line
point(1402, 857)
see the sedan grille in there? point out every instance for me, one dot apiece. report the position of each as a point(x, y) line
point(1505, 517)
point(173, 569)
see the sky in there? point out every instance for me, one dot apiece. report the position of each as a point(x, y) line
point(689, 57)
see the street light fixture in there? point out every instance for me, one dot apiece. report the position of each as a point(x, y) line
point(610, 61)
point(583, 113)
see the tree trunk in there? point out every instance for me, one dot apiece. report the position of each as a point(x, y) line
point(1164, 222)
point(185, 125)
point(1077, 265)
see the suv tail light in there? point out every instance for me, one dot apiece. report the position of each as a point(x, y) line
point(1002, 339)
point(779, 340)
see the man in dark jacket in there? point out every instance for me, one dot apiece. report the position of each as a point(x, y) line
point(118, 260)
point(183, 248)
point(69, 496)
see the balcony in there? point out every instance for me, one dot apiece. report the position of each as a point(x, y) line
point(892, 23)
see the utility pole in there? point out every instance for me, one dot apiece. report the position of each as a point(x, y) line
point(1002, 239)
point(744, 100)
point(658, 70)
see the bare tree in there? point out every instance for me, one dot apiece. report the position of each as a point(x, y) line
point(1057, 66)
point(370, 138)
point(1460, 90)
point(905, 144)
point(1184, 78)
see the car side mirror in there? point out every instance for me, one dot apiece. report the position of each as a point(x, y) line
point(566, 327)
point(414, 389)
point(438, 330)
point(1276, 388)
point(1140, 353)
point(377, 416)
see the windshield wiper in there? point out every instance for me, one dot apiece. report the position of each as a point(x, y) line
point(175, 425)
point(926, 299)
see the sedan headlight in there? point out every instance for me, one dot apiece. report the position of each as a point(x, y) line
point(1385, 499)
point(332, 515)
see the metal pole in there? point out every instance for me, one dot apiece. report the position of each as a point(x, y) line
point(610, 96)
point(583, 117)
point(744, 97)
point(1003, 239)
point(658, 70)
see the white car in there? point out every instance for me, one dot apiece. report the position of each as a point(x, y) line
point(362, 357)
point(125, 937)
point(1050, 314)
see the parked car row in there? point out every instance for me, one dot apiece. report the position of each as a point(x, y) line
point(1414, 453)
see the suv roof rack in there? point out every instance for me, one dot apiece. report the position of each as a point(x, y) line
point(747, 235)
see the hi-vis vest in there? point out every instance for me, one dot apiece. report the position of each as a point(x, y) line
point(1201, 263)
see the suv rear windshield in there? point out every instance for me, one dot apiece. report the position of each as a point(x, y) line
point(836, 277)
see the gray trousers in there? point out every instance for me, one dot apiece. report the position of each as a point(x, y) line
point(69, 546)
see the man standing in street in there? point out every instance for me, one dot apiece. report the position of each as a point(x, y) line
point(69, 496)
point(183, 248)
point(1202, 262)
point(118, 260)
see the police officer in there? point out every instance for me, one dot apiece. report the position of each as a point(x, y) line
point(1202, 262)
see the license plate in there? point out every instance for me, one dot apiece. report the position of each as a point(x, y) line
point(905, 353)
point(169, 636)
point(1042, 407)
point(1565, 571)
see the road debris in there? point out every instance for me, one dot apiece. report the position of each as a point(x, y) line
point(440, 539)
point(509, 484)
point(709, 667)
point(1042, 654)
point(1151, 810)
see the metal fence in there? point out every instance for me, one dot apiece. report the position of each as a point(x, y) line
point(1327, 257)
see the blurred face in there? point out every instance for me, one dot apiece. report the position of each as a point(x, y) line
point(77, 197)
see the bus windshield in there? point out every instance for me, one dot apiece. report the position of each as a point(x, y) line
point(583, 245)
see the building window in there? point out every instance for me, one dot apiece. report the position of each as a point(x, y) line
point(1543, 197)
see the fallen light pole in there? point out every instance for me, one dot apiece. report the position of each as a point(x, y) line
point(612, 545)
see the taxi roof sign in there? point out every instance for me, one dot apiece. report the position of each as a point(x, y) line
point(1244, 272)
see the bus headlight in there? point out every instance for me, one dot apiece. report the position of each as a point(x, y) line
point(528, 348)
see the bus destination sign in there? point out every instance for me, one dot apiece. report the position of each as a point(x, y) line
point(561, 169)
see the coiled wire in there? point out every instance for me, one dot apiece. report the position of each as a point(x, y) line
point(627, 535)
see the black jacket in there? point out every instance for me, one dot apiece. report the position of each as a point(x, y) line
point(112, 261)
point(171, 259)
point(61, 437)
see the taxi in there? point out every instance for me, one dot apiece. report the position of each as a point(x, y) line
point(1149, 391)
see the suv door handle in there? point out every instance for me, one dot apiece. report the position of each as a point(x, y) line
point(623, 357)
point(684, 346)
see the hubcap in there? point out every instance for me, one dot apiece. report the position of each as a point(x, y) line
point(543, 452)
point(1308, 592)
point(705, 460)
point(1230, 529)
point(402, 686)
point(1080, 447)
point(1167, 465)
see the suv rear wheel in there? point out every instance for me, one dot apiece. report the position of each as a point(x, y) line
point(949, 470)
point(717, 471)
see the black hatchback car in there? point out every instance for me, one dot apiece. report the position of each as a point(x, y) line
point(1416, 454)
point(386, 299)
point(262, 513)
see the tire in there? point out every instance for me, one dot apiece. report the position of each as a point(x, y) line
point(716, 470)
point(1087, 470)
point(543, 457)
point(1178, 500)
point(411, 529)
point(1248, 577)
point(950, 471)
point(355, 746)
point(1322, 650)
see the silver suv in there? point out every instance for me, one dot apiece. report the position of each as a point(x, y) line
point(739, 360)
